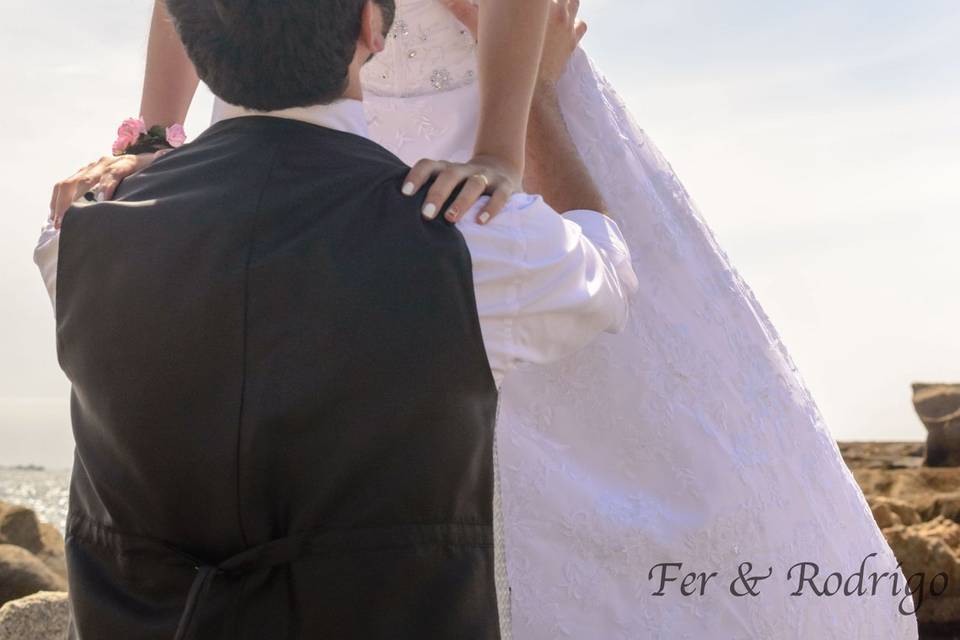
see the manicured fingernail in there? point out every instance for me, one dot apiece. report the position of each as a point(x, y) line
point(407, 189)
point(429, 211)
point(452, 214)
point(484, 217)
point(101, 196)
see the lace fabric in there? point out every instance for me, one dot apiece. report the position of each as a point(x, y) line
point(499, 550)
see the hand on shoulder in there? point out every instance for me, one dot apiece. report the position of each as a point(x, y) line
point(100, 179)
point(487, 174)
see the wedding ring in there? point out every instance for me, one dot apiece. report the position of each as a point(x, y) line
point(482, 178)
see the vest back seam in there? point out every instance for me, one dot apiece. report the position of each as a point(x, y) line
point(246, 311)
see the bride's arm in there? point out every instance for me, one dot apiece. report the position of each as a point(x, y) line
point(169, 81)
point(508, 65)
point(169, 85)
point(510, 34)
point(510, 39)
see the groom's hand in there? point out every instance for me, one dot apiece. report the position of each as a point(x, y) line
point(483, 175)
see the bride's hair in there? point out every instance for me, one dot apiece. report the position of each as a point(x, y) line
point(273, 54)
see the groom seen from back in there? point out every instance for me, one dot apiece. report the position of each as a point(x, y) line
point(284, 377)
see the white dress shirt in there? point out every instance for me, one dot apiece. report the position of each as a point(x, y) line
point(545, 284)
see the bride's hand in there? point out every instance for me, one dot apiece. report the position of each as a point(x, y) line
point(564, 33)
point(101, 177)
point(482, 175)
point(488, 174)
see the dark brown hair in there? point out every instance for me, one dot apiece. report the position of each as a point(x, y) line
point(273, 54)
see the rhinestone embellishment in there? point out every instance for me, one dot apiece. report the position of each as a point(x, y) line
point(440, 79)
point(400, 28)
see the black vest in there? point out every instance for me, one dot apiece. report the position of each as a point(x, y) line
point(281, 401)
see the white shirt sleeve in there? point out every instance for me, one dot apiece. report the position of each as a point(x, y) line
point(45, 256)
point(546, 285)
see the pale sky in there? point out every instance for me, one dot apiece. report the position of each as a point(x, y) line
point(820, 140)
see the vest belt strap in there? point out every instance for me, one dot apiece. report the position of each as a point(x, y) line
point(266, 556)
point(286, 550)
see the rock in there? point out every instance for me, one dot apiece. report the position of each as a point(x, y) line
point(42, 616)
point(52, 552)
point(19, 526)
point(890, 512)
point(918, 509)
point(930, 548)
point(22, 574)
point(938, 406)
point(882, 455)
point(930, 491)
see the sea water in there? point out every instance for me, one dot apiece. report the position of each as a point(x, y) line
point(43, 490)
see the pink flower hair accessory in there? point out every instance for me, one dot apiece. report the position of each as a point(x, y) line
point(134, 137)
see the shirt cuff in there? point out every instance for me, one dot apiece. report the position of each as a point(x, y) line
point(45, 256)
point(605, 235)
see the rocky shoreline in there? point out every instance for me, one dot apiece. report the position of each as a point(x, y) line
point(917, 508)
point(33, 577)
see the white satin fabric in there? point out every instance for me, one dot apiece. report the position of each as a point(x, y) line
point(689, 438)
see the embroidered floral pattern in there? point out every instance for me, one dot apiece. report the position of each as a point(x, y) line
point(427, 51)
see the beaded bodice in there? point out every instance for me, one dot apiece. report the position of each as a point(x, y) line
point(428, 50)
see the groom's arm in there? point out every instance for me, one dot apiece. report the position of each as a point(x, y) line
point(546, 284)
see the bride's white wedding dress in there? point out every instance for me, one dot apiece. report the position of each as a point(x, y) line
point(689, 438)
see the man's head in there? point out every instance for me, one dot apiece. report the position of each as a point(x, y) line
point(276, 54)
